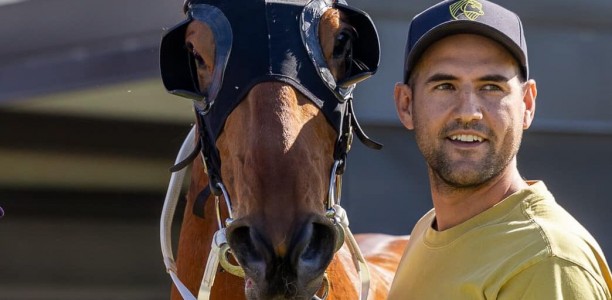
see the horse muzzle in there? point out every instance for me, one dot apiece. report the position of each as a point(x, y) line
point(288, 268)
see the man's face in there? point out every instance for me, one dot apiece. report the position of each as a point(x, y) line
point(468, 109)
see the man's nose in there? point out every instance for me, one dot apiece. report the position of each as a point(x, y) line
point(468, 107)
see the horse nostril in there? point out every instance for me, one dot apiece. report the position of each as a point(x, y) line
point(248, 247)
point(311, 249)
point(318, 248)
point(283, 273)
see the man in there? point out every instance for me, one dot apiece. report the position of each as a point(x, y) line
point(491, 235)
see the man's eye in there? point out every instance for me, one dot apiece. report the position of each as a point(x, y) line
point(444, 86)
point(491, 87)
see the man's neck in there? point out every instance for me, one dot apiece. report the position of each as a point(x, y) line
point(455, 205)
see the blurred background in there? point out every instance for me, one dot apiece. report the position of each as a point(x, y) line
point(87, 134)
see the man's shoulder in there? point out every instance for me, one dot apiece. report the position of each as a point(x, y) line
point(562, 234)
point(564, 238)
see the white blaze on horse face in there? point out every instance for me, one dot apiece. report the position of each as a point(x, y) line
point(200, 41)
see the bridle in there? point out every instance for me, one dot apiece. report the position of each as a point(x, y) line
point(219, 246)
point(314, 80)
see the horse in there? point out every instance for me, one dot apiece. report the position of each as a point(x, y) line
point(272, 84)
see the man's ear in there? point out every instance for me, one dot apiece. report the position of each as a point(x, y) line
point(529, 99)
point(403, 104)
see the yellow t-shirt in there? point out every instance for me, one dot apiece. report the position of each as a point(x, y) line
point(525, 247)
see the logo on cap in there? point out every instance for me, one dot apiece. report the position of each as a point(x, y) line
point(471, 9)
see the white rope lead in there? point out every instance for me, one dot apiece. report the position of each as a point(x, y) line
point(168, 210)
point(358, 259)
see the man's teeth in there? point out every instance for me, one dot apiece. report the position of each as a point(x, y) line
point(466, 138)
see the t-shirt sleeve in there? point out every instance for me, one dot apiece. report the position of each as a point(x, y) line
point(555, 278)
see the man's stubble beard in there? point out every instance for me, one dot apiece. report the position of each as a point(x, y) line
point(491, 165)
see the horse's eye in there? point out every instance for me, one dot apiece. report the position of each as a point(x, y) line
point(199, 70)
point(199, 61)
point(343, 45)
point(343, 53)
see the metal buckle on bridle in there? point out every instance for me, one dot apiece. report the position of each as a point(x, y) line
point(335, 186)
point(228, 204)
point(228, 266)
point(339, 218)
point(225, 250)
point(326, 286)
point(219, 249)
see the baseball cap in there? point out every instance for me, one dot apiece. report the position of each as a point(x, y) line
point(465, 16)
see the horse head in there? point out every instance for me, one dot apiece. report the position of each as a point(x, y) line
point(272, 84)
